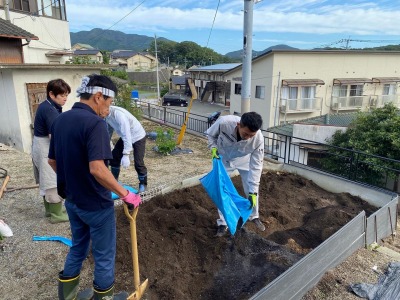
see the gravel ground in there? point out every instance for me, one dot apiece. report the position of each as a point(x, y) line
point(29, 269)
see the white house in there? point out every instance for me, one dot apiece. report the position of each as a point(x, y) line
point(91, 55)
point(31, 54)
point(290, 85)
point(46, 20)
point(23, 88)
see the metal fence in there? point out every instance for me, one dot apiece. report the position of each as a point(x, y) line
point(354, 165)
point(196, 123)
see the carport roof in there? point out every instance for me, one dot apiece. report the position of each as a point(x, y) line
point(215, 68)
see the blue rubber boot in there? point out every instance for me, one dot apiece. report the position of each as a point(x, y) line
point(142, 183)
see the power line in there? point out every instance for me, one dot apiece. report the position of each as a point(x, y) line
point(348, 40)
point(119, 20)
point(212, 26)
point(211, 29)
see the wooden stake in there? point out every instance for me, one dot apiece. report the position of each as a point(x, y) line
point(12, 189)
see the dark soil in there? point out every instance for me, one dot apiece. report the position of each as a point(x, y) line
point(182, 258)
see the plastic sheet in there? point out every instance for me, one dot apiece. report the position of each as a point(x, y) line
point(387, 288)
point(129, 188)
point(61, 239)
point(222, 192)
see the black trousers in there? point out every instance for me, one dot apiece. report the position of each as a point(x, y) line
point(139, 149)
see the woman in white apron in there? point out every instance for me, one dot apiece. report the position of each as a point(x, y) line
point(57, 93)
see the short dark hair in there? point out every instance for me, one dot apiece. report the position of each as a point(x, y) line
point(101, 81)
point(57, 86)
point(252, 121)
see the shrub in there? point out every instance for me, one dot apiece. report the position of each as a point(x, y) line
point(165, 141)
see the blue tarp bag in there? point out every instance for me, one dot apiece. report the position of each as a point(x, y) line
point(222, 192)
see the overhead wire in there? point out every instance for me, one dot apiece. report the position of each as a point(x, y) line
point(211, 29)
point(119, 20)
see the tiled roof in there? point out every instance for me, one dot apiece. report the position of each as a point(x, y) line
point(9, 30)
point(87, 46)
point(218, 67)
point(341, 120)
point(178, 79)
point(123, 53)
point(86, 52)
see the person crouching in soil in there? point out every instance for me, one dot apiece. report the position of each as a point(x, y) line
point(241, 144)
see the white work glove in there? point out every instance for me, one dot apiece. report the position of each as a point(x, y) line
point(125, 162)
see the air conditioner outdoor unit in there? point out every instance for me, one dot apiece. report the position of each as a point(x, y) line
point(373, 101)
point(337, 105)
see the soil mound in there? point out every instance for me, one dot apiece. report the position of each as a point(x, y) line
point(182, 258)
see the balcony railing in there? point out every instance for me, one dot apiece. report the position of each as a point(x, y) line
point(349, 103)
point(381, 100)
point(300, 105)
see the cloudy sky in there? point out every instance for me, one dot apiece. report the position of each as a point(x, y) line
point(303, 24)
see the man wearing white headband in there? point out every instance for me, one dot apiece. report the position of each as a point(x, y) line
point(79, 153)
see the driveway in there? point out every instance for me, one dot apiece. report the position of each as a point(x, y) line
point(203, 108)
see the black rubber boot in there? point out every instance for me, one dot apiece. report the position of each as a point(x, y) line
point(67, 287)
point(115, 171)
point(109, 294)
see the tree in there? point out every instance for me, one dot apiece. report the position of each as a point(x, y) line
point(124, 100)
point(186, 54)
point(106, 57)
point(374, 136)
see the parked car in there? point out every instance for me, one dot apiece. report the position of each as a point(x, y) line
point(176, 100)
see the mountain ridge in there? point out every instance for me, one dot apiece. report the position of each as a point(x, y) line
point(109, 40)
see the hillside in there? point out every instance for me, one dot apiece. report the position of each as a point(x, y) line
point(111, 40)
point(238, 54)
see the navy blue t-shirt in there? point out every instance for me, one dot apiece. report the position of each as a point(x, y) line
point(46, 113)
point(78, 137)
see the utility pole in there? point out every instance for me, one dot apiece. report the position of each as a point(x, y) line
point(7, 11)
point(158, 81)
point(247, 54)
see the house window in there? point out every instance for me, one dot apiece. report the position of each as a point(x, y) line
point(238, 89)
point(389, 89)
point(308, 96)
point(260, 92)
point(52, 8)
point(299, 97)
point(348, 95)
point(49, 8)
point(388, 93)
point(289, 96)
point(18, 5)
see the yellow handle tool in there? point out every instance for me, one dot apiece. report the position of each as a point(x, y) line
point(139, 288)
